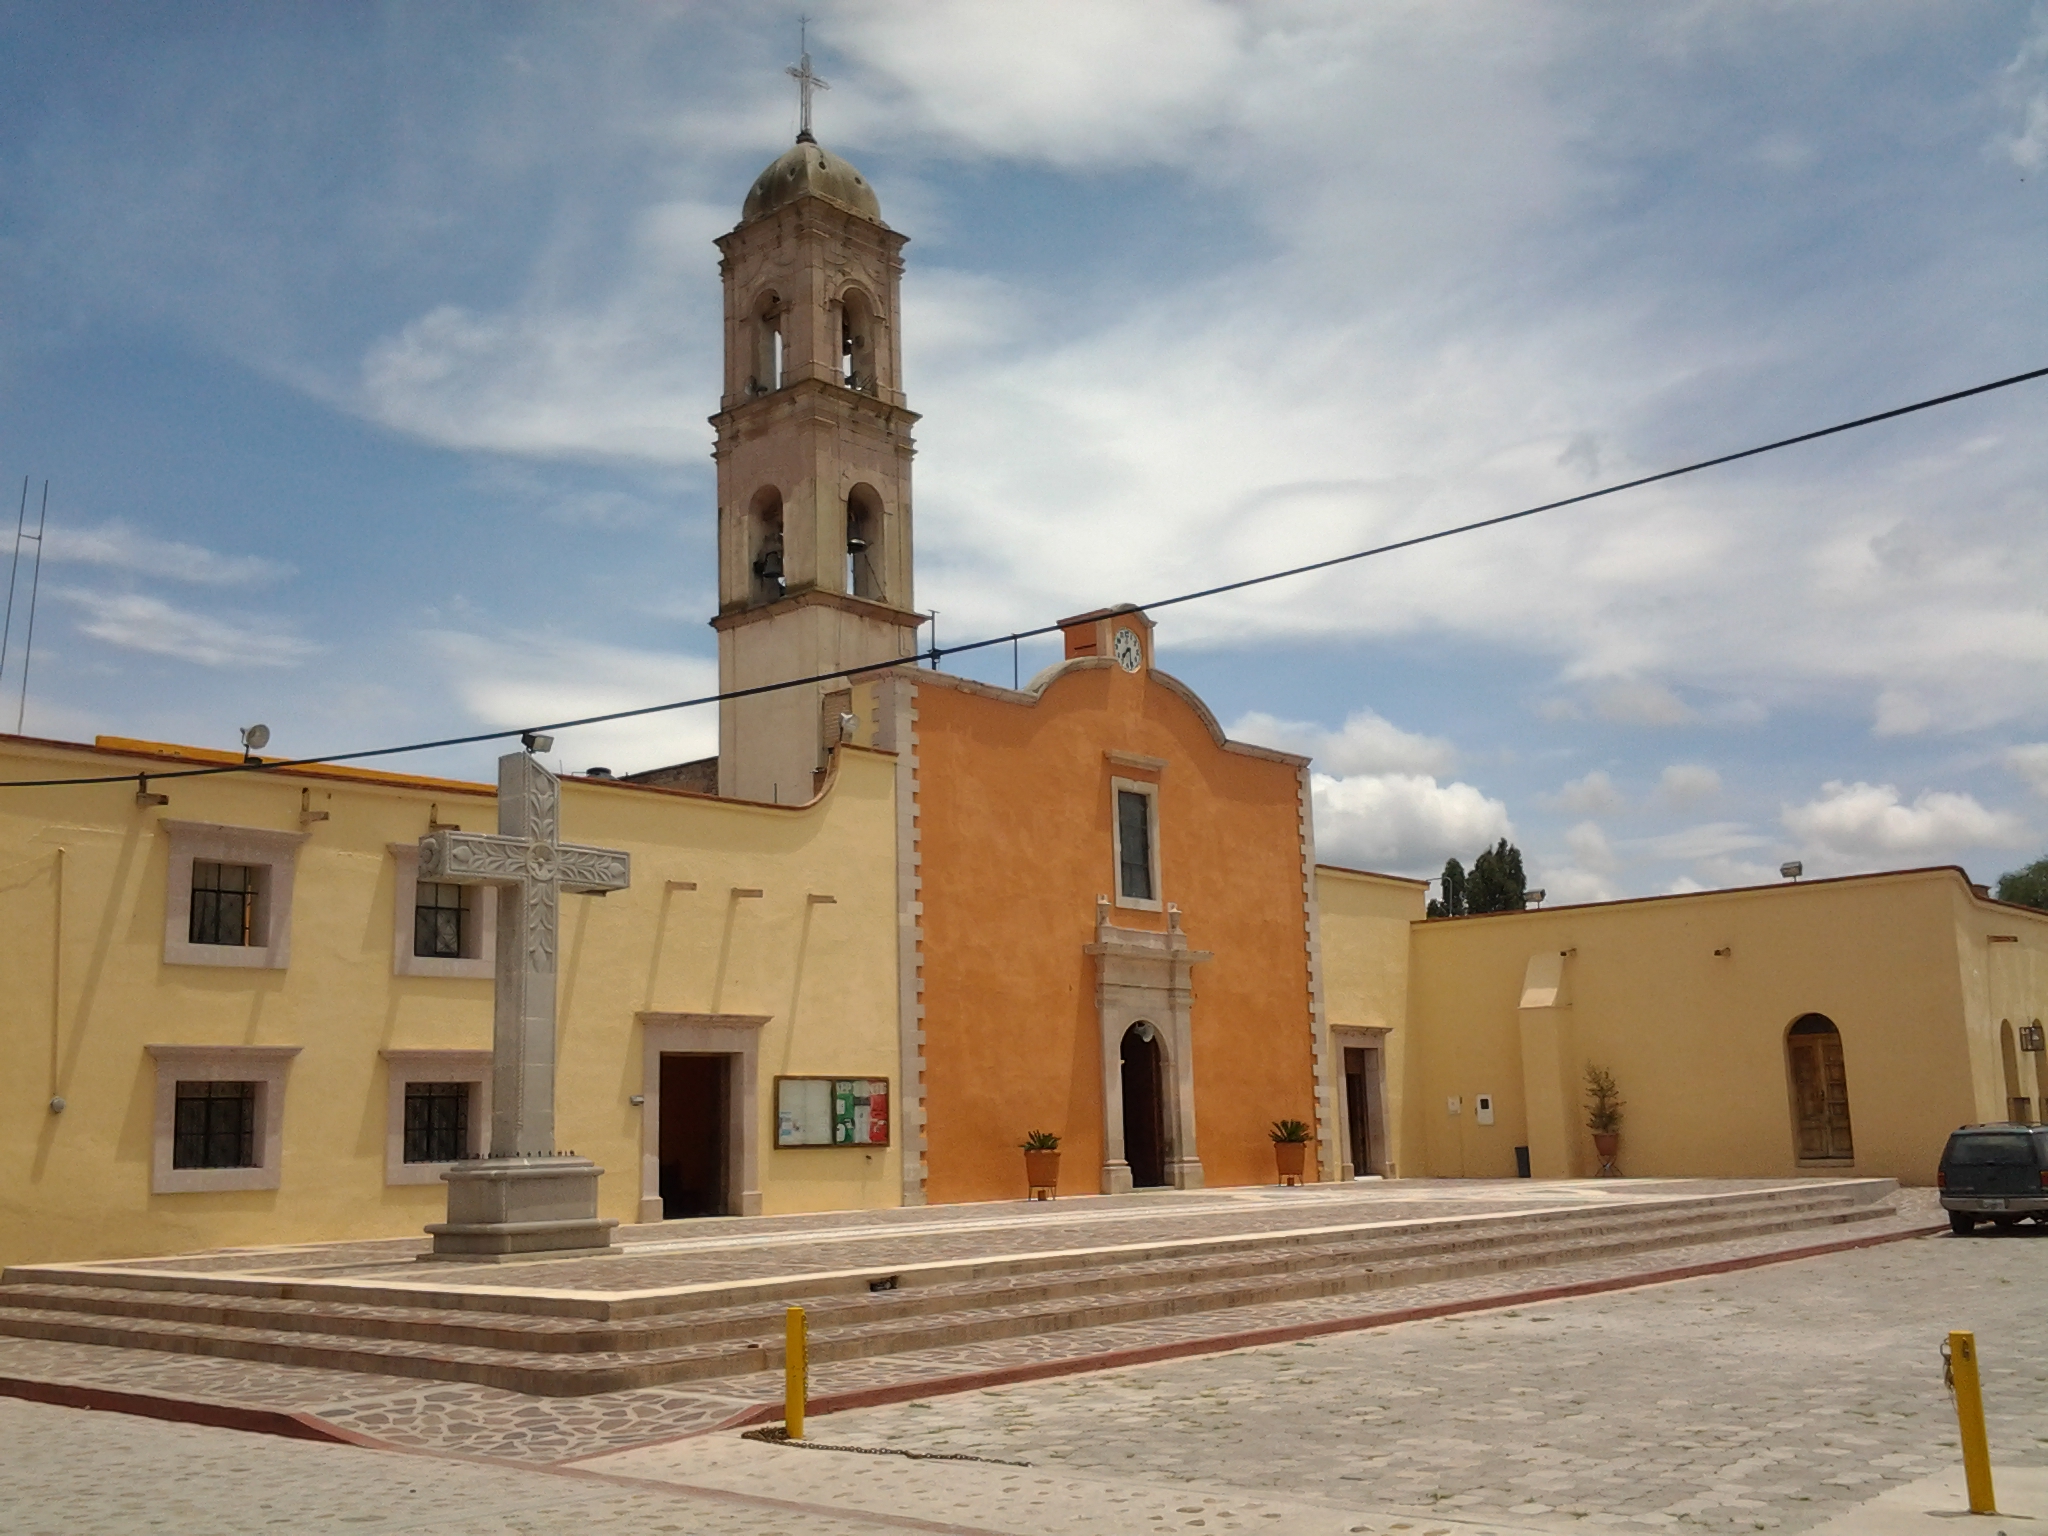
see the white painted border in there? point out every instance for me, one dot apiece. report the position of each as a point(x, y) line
point(1150, 791)
point(478, 967)
point(403, 1067)
point(275, 853)
point(263, 1065)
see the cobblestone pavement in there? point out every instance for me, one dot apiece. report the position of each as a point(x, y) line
point(1769, 1399)
point(487, 1421)
point(1780, 1398)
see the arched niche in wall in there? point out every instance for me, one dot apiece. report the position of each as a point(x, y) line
point(766, 328)
point(857, 341)
point(764, 543)
point(866, 544)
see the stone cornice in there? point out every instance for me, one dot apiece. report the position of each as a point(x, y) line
point(819, 597)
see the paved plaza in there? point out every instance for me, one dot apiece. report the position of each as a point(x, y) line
point(1798, 1396)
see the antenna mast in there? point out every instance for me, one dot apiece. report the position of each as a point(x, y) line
point(7, 628)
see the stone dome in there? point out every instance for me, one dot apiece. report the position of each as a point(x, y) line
point(804, 167)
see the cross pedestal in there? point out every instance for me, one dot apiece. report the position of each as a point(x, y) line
point(524, 1200)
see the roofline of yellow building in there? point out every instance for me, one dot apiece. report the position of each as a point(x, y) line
point(136, 749)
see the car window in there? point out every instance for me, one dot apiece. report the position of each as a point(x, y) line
point(2008, 1149)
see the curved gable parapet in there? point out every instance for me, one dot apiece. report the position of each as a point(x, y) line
point(1035, 690)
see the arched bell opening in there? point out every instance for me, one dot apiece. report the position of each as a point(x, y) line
point(767, 344)
point(857, 341)
point(1144, 1095)
point(865, 562)
point(1820, 1090)
point(764, 543)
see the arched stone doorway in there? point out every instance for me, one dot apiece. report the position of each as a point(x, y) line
point(1144, 1082)
point(1820, 1091)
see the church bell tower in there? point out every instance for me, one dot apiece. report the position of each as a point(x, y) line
point(813, 453)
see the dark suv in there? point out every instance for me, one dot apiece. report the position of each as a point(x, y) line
point(1994, 1173)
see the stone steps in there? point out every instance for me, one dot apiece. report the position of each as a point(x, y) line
point(735, 1328)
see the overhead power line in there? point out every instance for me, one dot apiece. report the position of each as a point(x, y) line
point(935, 654)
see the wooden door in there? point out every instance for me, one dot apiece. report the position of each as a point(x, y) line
point(1820, 1089)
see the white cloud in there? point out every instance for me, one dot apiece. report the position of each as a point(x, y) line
point(1592, 795)
point(1869, 821)
point(1709, 840)
point(2023, 94)
point(1570, 884)
point(2030, 762)
point(1368, 743)
point(1682, 786)
point(1638, 702)
point(1901, 714)
point(519, 680)
point(1590, 849)
point(139, 623)
point(116, 546)
point(1402, 822)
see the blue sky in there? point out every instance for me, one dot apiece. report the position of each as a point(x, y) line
point(368, 351)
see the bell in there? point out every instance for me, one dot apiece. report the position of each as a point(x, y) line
point(769, 566)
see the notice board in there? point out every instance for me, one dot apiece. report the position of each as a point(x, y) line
point(831, 1112)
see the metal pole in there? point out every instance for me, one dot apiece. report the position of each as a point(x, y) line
point(796, 1371)
point(35, 584)
point(1959, 1364)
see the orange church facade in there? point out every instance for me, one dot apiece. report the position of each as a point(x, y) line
point(1113, 913)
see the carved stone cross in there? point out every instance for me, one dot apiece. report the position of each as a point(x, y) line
point(530, 867)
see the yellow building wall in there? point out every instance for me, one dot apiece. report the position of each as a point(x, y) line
point(83, 874)
point(1695, 1038)
point(1364, 955)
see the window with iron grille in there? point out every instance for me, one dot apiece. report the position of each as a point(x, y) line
point(223, 903)
point(1134, 845)
point(440, 922)
point(436, 1122)
point(215, 1126)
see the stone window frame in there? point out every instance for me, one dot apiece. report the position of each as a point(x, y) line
point(432, 1066)
point(275, 854)
point(481, 966)
point(1150, 790)
point(267, 1066)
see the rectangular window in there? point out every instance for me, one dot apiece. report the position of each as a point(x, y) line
point(215, 1126)
point(439, 920)
point(1134, 845)
point(436, 1122)
point(223, 903)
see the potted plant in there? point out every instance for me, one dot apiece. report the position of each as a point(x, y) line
point(1041, 1164)
point(1290, 1147)
point(1603, 1117)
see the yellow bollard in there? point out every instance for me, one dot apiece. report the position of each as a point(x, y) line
point(1960, 1366)
point(796, 1371)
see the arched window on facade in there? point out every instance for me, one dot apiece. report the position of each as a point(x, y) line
point(764, 543)
point(864, 551)
point(857, 341)
point(1820, 1090)
point(2019, 1103)
point(767, 326)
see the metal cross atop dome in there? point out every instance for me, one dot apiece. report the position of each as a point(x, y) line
point(807, 81)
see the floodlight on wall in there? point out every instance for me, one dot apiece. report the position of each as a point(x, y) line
point(2031, 1038)
point(254, 739)
point(1792, 869)
point(1533, 898)
point(533, 741)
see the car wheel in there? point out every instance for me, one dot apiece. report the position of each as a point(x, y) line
point(1962, 1223)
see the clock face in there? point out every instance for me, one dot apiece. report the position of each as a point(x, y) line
point(1129, 652)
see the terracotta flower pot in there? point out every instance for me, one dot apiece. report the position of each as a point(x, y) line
point(1042, 1169)
point(1292, 1156)
point(1607, 1143)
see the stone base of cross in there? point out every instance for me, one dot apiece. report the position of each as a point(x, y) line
point(524, 1200)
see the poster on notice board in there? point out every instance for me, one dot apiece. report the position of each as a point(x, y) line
point(831, 1112)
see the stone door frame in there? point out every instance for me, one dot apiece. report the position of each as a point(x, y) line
point(1144, 977)
point(734, 1035)
point(1365, 1037)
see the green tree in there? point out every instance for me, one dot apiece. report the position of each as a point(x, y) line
point(2028, 887)
point(1497, 883)
point(1452, 885)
